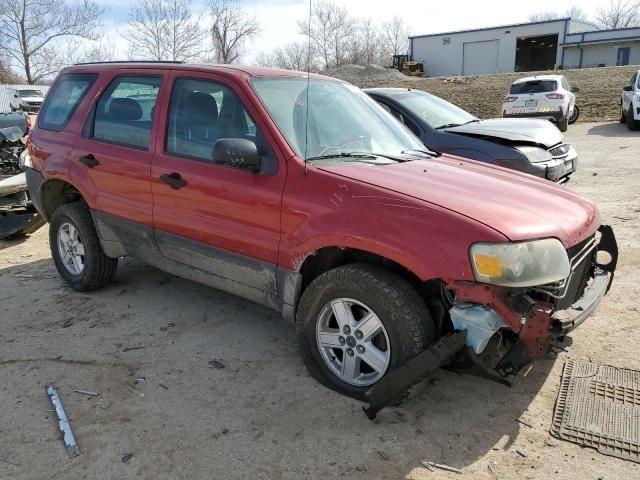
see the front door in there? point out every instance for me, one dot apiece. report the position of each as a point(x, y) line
point(627, 95)
point(623, 56)
point(220, 219)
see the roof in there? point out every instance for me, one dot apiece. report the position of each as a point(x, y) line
point(539, 77)
point(233, 70)
point(499, 27)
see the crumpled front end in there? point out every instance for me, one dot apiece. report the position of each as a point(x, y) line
point(509, 328)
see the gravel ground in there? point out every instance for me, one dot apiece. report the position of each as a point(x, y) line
point(144, 343)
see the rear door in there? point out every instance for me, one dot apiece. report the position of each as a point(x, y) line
point(113, 153)
point(220, 219)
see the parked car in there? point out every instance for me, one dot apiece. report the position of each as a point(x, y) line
point(543, 96)
point(531, 146)
point(302, 194)
point(26, 99)
point(630, 103)
point(18, 216)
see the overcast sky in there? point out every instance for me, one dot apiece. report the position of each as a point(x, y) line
point(278, 18)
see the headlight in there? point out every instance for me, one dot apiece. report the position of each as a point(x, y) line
point(24, 160)
point(520, 264)
point(535, 154)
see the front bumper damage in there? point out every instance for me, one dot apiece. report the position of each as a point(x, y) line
point(498, 331)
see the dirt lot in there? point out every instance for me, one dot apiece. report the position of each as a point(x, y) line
point(262, 416)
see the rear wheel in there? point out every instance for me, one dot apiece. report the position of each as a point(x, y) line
point(358, 322)
point(632, 124)
point(623, 116)
point(76, 249)
point(574, 116)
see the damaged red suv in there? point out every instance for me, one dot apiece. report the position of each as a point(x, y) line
point(304, 195)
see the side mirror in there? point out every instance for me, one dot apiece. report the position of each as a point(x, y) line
point(628, 88)
point(237, 153)
point(575, 89)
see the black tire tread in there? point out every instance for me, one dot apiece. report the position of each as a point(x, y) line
point(398, 294)
point(100, 269)
point(632, 124)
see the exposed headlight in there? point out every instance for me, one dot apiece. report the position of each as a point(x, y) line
point(24, 160)
point(520, 264)
point(535, 154)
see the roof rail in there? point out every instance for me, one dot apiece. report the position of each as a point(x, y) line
point(129, 61)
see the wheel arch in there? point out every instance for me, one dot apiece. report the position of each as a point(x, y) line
point(56, 192)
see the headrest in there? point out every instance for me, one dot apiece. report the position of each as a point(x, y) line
point(125, 109)
point(201, 104)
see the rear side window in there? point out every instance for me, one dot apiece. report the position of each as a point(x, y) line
point(63, 100)
point(534, 86)
point(124, 113)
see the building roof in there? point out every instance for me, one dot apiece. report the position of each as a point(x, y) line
point(499, 27)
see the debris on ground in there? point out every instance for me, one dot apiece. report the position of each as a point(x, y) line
point(67, 323)
point(215, 363)
point(441, 466)
point(521, 452)
point(162, 385)
point(126, 457)
point(524, 423)
point(24, 275)
point(87, 392)
point(383, 455)
point(63, 422)
point(135, 347)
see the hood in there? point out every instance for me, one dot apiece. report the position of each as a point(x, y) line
point(520, 130)
point(32, 99)
point(519, 206)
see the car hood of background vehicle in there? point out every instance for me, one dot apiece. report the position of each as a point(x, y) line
point(517, 130)
point(32, 99)
point(519, 206)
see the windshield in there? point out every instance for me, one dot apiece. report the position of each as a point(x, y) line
point(436, 112)
point(342, 119)
point(534, 86)
point(30, 93)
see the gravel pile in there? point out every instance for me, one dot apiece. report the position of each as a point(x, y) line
point(370, 76)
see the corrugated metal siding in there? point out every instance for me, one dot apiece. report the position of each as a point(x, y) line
point(4, 93)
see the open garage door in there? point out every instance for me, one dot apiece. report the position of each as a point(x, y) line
point(480, 57)
point(536, 53)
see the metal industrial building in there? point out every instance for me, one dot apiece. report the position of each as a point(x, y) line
point(562, 43)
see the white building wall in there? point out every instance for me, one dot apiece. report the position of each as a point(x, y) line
point(442, 59)
point(600, 54)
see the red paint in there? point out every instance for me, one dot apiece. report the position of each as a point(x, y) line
point(423, 215)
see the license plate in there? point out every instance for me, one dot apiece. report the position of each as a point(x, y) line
point(531, 103)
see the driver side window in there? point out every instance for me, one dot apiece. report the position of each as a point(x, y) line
point(203, 112)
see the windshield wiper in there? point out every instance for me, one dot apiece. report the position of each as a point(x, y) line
point(475, 120)
point(448, 125)
point(343, 155)
point(430, 153)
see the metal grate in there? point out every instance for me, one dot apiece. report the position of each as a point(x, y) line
point(599, 406)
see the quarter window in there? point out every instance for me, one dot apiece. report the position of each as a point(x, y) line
point(63, 100)
point(124, 113)
point(201, 113)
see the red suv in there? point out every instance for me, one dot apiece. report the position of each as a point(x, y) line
point(304, 195)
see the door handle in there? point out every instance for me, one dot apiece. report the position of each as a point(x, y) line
point(89, 160)
point(174, 180)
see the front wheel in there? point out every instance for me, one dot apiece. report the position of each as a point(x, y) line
point(563, 124)
point(76, 249)
point(623, 116)
point(358, 322)
point(632, 124)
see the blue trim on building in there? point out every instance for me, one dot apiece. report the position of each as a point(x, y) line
point(500, 27)
point(601, 40)
point(564, 39)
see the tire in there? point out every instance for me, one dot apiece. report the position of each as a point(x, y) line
point(406, 327)
point(623, 116)
point(97, 269)
point(632, 124)
point(563, 125)
point(576, 114)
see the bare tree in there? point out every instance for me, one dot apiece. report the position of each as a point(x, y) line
point(292, 56)
point(331, 30)
point(78, 51)
point(396, 35)
point(231, 27)
point(619, 14)
point(164, 30)
point(368, 44)
point(29, 30)
point(575, 13)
